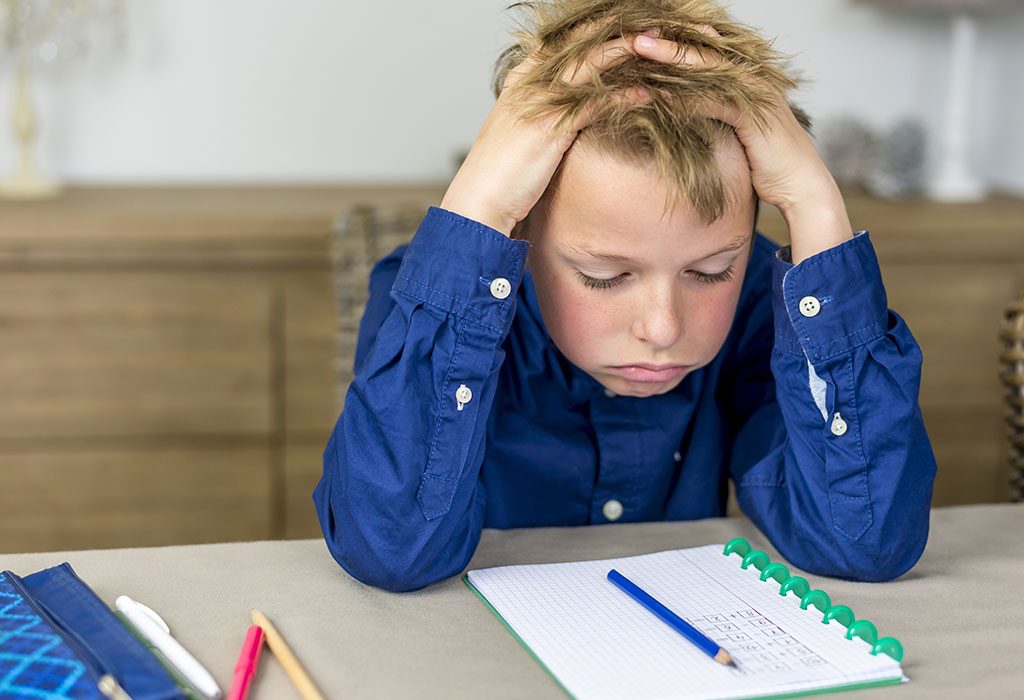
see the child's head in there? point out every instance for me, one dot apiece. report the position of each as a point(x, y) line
point(640, 243)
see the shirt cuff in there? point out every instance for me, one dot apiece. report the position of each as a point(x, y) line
point(829, 303)
point(464, 268)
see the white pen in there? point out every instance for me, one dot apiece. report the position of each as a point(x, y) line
point(152, 627)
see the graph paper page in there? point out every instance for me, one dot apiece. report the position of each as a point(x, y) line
point(600, 643)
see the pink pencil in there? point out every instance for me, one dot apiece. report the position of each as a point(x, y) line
point(248, 659)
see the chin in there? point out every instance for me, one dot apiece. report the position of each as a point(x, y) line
point(638, 389)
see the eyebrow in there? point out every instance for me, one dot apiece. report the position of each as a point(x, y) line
point(736, 244)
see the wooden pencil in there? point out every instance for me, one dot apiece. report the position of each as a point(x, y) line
point(303, 683)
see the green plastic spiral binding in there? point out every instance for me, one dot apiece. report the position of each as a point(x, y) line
point(758, 558)
point(863, 629)
point(841, 613)
point(797, 584)
point(777, 571)
point(890, 646)
point(818, 599)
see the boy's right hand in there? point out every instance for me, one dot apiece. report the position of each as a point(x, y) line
point(512, 161)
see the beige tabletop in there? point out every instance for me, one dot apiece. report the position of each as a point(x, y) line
point(959, 612)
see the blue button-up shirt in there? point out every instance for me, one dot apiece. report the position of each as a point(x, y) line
point(463, 415)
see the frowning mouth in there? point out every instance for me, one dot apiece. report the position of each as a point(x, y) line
point(645, 372)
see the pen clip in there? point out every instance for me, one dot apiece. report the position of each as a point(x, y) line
point(150, 613)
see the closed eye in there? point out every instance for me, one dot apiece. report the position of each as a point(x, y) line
point(713, 278)
point(601, 283)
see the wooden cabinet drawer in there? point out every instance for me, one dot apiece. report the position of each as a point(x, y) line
point(133, 353)
point(89, 498)
point(954, 313)
point(303, 466)
point(312, 395)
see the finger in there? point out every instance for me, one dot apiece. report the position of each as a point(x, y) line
point(633, 95)
point(707, 29)
point(599, 60)
point(721, 111)
point(671, 52)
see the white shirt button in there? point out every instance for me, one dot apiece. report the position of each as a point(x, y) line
point(809, 306)
point(463, 395)
point(612, 510)
point(500, 288)
point(838, 425)
point(677, 457)
point(609, 393)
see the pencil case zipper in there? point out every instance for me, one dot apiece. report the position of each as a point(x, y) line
point(95, 667)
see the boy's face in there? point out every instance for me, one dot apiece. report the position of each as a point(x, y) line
point(634, 297)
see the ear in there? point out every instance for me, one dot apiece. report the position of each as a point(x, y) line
point(521, 231)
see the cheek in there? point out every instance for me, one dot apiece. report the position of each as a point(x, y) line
point(578, 319)
point(709, 316)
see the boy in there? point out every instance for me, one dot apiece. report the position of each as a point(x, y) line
point(590, 330)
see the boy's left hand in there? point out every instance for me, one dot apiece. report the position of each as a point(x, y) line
point(786, 169)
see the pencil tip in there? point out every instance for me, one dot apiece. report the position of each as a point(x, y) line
point(725, 658)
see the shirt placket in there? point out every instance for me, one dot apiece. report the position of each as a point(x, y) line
point(619, 458)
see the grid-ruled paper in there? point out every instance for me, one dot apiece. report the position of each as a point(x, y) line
point(600, 643)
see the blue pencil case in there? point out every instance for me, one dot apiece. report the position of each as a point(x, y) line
point(58, 641)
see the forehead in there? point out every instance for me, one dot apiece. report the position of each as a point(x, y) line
point(600, 202)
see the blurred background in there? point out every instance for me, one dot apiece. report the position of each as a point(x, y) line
point(192, 193)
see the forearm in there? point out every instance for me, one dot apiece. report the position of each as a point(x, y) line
point(839, 471)
point(400, 502)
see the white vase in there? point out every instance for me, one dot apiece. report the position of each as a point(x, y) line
point(28, 183)
point(953, 180)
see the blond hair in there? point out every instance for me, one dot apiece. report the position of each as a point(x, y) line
point(667, 132)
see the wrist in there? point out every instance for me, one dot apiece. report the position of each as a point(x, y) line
point(478, 212)
point(817, 223)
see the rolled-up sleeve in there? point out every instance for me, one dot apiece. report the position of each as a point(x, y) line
point(835, 464)
point(399, 502)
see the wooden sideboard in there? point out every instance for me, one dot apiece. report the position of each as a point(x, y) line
point(167, 354)
point(167, 363)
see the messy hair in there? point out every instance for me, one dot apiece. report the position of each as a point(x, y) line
point(665, 133)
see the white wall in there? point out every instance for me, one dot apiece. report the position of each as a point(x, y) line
point(328, 91)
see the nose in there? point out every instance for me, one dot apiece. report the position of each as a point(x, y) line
point(659, 319)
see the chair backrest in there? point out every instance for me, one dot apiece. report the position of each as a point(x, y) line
point(1012, 375)
point(361, 236)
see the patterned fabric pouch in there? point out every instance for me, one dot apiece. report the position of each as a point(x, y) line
point(58, 640)
point(36, 660)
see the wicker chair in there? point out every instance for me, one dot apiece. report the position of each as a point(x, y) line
point(362, 235)
point(1012, 375)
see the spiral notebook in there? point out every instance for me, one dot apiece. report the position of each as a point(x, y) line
point(596, 642)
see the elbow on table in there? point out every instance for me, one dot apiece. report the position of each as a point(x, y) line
point(409, 571)
point(396, 579)
point(871, 562)
point(409, 568)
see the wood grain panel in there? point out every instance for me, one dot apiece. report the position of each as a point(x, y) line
point(303, 467)
point(918, 231)
point(971, 455)
point(115, 354)
point(89, 498)
point(228, 227)
point(954, 313)
point(312, 395)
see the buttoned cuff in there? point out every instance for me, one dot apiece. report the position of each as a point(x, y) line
point(829, 303)
point(464, 268)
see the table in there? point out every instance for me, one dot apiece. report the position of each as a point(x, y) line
point(958, 612)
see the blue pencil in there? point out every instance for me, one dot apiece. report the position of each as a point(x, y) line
point(674, 621)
